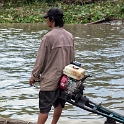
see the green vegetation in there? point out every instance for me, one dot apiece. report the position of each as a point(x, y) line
point(30, 12)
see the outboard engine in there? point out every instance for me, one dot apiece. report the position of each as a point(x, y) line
point(72, 88)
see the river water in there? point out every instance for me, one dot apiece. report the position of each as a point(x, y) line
point(100, 50)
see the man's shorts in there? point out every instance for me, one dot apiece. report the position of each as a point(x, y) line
point(49, 98)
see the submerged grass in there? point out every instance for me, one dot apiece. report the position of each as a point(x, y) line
point(78, 14)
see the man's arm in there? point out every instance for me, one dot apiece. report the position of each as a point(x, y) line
point(39, 63)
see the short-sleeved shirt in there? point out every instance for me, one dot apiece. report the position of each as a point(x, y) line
point(55, 52)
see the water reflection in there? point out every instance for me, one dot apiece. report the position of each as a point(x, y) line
point(100, 49)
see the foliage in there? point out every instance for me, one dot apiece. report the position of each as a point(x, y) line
point(74, 13)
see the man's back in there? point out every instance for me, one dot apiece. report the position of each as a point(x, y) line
point(59, 53)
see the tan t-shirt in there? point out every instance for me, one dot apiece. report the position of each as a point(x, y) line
point(55, 52)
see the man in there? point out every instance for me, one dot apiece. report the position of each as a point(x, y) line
point(55, 52)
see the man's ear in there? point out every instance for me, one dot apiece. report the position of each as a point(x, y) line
point(51, 18)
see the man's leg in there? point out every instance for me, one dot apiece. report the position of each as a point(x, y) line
point(57, 114)
point(42, 118)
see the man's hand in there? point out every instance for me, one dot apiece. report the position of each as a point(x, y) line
point(31, 81)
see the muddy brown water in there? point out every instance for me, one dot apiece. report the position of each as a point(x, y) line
point(100, 50)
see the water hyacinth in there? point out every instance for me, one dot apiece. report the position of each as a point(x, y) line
point(78, 12)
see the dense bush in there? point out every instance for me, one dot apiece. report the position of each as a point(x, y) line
point(19, 12)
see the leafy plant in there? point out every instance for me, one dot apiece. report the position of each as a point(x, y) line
point(21, 12)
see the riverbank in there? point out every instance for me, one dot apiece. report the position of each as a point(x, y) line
point(61, 121)
point(74, 13)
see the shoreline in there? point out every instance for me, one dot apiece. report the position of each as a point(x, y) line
point(61, 121)
point(78, 121)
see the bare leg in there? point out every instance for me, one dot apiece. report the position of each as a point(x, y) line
point(57, 114)
point(42, 118)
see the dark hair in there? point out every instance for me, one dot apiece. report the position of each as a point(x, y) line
point(58, 20)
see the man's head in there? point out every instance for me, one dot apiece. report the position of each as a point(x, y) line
point(55, 15)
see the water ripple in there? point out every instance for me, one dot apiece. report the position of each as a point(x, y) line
point(99, 48)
